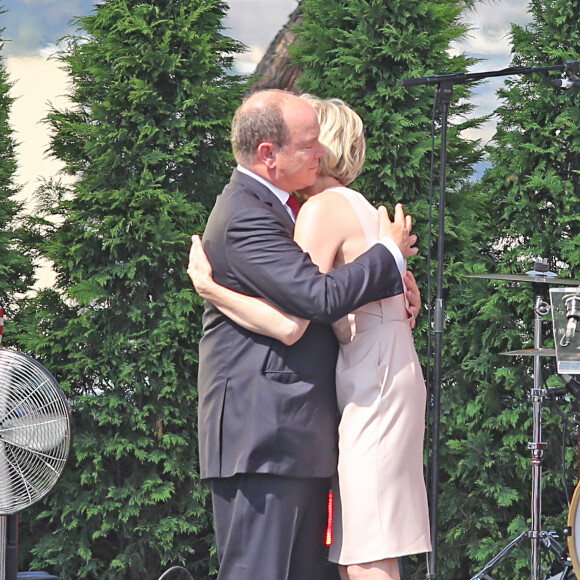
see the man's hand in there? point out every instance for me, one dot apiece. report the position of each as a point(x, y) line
point(413, 296)
point(399, 230)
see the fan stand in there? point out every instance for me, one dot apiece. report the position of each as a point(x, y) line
point(8, 524)
point(9, 547)
point(35, 438)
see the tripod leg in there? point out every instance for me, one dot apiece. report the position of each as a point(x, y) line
point(497, 560)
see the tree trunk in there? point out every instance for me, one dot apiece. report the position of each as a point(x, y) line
point(276, 69)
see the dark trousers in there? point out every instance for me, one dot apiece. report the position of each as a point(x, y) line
point(270, 527)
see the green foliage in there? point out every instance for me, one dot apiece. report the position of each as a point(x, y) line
point(146, 137)
point(532, 184)
point(360, 50)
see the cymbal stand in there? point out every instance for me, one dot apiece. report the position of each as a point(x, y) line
point(541, 309)
point(536, 447)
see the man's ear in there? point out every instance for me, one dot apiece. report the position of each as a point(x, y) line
point(267, 154)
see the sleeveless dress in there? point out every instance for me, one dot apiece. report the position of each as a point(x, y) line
point(381, 506)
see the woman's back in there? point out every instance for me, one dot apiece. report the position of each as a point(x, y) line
point(381, 398)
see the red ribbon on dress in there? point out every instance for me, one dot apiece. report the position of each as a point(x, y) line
point(330, 512)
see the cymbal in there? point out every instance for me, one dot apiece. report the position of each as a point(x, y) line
point(532, 352)
point(540, 279)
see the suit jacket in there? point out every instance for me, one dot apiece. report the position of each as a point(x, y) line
point(265, 407)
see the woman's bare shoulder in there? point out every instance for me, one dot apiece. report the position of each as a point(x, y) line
point(327, 200)
point(330, 214)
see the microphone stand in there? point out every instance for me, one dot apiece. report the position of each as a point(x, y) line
point(444, 93)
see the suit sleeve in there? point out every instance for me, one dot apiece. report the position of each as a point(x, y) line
point(266, 260)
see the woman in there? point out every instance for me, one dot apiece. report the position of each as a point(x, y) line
point(381, 505)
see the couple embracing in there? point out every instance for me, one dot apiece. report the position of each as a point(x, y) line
point(307, 360)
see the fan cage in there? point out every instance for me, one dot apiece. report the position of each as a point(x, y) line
point(35, 431)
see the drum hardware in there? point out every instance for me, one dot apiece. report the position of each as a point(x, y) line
point(531, 352)
point(539, 277)
point(572, 302)
point(548, 542)
point(574, 525)
point(572, 530)
point(499, 558)
point(445, 84)
point(532, 276)
point(561, 557)
point(565, 316)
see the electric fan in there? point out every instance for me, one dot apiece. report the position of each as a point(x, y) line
point(35, 434)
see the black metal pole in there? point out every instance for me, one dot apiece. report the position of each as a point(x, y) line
point(462, 78)
point(444, 94)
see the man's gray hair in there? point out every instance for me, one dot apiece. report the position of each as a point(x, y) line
point(254, 123)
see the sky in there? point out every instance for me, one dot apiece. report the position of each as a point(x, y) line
point(32, 29)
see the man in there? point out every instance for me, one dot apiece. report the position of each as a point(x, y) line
point(267, 412)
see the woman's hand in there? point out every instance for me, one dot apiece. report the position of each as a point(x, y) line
point(254, 314)
point(199, 268)
point(399, 229)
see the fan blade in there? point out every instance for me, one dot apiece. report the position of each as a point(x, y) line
point(35, 431)
point(38, 433)
point(7, 499)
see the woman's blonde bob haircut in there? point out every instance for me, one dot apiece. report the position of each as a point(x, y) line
point(342, 133)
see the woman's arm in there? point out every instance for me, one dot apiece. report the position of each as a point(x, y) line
point(254, 314)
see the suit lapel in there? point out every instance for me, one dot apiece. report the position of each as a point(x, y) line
point(266, 195)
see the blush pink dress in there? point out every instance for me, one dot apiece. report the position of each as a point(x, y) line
point(380, 497)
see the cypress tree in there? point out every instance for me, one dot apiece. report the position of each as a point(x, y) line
point(146, 137)
point(360, 50)
point(534, 208)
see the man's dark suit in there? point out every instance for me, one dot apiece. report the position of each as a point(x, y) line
point(267, 408)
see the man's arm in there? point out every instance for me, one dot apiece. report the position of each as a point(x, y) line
point(267, 263)
point(413, 296)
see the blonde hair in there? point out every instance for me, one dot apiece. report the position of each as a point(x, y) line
point(342, 133)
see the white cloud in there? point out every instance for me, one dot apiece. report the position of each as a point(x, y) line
point(256, 22)
point(48, 51)
point(489, 40)
point(490, 35)
point(37, 81)
point(247, 62)
point(496, 15)
point(488, 43)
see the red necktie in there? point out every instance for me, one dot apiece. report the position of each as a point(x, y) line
point(293, 204)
